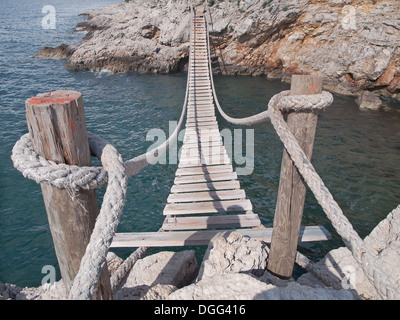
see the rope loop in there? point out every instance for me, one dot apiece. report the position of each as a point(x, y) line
point(60, 175)
point(313, 102)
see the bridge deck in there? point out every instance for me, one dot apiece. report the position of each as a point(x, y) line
point(206, 193)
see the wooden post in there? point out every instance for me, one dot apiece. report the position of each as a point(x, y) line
point(292, 189)
point(56, 122)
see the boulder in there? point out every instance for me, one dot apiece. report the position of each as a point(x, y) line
point(167, 270)
point(368, 100)
point(234, 254)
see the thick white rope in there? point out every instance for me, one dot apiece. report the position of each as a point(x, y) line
point(105, 227)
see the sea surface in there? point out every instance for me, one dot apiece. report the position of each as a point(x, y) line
point(357, 153)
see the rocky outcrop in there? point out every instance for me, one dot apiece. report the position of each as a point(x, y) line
point(138, 36)
point(340, 270)
point(238, 286)
point(63, 51)
point(234, 268)
point(230, 269)
point(354, 44)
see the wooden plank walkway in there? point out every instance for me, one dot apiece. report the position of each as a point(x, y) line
point(206, 193)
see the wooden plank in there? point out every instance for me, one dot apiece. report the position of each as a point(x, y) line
point(206, 196)
point(196, 152)
point(201, 111)
point(205, 178)
point(202, 163)
point(204, 186)
point(212, 222)
point(200, 114)
point(201, 124)
point(206, 119)
point(191, 155)
point(208, 207)
point(213, 161)
point(202, 105)
point(195, 238)
point(204, 170)
point(202, 132)
point(202, 139)
point(188, 155)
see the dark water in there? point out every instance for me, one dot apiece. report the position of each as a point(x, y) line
point(357, 153)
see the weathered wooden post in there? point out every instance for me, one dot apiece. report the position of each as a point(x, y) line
point(56, 122)
point(292, 189)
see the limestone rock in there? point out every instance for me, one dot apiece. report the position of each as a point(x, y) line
point(234, 254)
point(354, 44)
point(340, 270)
point(63, 51)
point(113, 262)
point(238, 286)
point(368, 100)
point(9, 291)
point(167, 269)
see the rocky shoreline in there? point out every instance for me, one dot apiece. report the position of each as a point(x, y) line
point(234, 268)
point(353, 44)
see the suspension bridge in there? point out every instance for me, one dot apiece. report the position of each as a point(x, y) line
point(206, 199)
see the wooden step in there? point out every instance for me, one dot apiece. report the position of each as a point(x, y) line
point(206, 186)
point(201, 124)
point(203, 237)
point(212, 222)
point(203, 170)
point(208, 178)
point(194, 151)
point(206, 196)
point(204, 162)
point(208, 207)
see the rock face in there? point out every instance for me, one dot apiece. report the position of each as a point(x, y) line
point(354, 44)
point(144, 36)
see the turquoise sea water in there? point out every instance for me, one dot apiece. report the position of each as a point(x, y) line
point(357, 153)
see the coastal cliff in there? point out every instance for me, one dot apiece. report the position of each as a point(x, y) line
point(353, 44)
